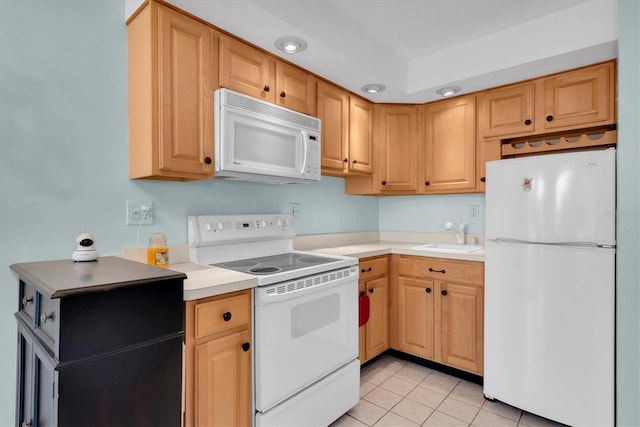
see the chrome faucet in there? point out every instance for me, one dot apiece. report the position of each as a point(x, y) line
point(460, 233)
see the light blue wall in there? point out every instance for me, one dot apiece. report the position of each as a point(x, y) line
point(64, 161)
point(628, 224)
point(430, 213)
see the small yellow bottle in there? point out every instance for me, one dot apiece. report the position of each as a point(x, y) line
point(158, 250)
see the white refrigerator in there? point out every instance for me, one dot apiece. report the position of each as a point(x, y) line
point(550, 285)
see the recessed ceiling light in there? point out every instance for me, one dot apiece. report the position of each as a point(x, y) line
point(291, 44)
point(449, 90)
point(373, 88)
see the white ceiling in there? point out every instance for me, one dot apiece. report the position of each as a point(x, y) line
point(413, 47)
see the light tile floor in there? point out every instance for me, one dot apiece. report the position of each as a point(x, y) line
point(394, 392)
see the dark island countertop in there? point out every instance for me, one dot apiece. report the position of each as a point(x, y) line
point(62, 278)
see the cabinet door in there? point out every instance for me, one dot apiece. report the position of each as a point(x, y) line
point(223, 382)
point(333, 110)
point(415, 302)
point(398, 147)
point(360, 135)
point(508, 110)
point(579, 98)
point(185, 58)
point(25, 398)
point(296, 89)
point(460, 309)
point(449, 155)
point(377, 339)
point(246, 69)
point(487, 152)
point(362, 331)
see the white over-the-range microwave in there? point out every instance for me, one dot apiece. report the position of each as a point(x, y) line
point(261, 142)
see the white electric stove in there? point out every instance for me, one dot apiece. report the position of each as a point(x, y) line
point(305, 320)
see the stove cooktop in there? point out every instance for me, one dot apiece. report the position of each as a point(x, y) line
point(275, 263)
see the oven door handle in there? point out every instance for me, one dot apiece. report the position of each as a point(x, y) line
point(287, 290)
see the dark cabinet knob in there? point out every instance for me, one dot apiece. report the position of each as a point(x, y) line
point(246, 346)
point(527, 122)
point(427, 183)
point(365, 271)
point(483, 179)
point(354, 162)
point(384, 182)
point(207, 160)
point(266, 88)
point(444, 293)
point(282, 94)
point(361, 293)
point(428, 290)
point(345, 161)
point(549, 118)
point(437, 271)
point(226, 316)
point(371, 290)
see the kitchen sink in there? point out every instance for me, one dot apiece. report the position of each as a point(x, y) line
point(453, 248)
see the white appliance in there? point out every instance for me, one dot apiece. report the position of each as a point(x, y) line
point(261, 142)
point(305, 320)
point(549, 285)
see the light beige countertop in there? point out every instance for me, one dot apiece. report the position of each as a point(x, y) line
point(369, 249)
point(205, 281)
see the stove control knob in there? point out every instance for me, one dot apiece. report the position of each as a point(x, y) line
point(279, 222)
point(207, 226)
point(220, 225)
point(287, 222)
point(263, 224)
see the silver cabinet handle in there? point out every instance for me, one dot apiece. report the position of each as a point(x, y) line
point(26, 424)
point(44, 317)
point(26, 300)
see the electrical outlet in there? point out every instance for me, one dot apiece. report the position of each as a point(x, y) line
point(139, 211)
point(474, 212)
point(295, 209)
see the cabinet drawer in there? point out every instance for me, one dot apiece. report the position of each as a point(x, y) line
point(28, 300)
point(373, 267)
point(442, 269)
point(48, 320)
point(221, 314)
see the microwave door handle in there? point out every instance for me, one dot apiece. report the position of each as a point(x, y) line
point(305, 142)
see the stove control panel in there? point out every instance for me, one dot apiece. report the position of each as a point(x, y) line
point(210, 230)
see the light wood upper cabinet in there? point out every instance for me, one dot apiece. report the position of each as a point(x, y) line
point(296, 89)
point(576, 99)
point(171, 77)
point(398, 137)
point(507, 110)
point(449, 154)
point(246, 70)
point(347, 131)
point(487, 151)
point(360, 135)
point(218, 360)
point(579, 98)
point(333, 111)
point(252, 72)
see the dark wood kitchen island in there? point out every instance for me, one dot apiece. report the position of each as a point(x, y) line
point(99, 343)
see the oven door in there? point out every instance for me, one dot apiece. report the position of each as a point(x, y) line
point(303, 333)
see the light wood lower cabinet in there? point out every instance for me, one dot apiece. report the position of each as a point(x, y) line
point(374, 282)
point(440, 310)
point(218, 360)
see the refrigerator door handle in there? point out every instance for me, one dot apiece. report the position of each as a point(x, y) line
point(530, 242)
